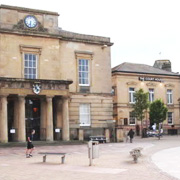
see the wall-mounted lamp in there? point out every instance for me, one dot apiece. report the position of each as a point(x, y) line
point(104, 46)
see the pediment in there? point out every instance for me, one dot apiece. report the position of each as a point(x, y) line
point(169, 85)
point(151, 84)
point(131, 83)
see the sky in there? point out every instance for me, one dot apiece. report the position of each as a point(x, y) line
point(142, 30)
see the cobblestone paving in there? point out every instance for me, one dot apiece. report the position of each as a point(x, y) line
point(114, 163)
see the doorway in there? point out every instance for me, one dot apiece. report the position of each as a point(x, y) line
point(32, 117)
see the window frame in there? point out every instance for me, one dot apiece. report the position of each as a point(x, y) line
point(88, 72)
point(36, 65)
point(29, 49)
point(171, 118)
point(169, 96)
point(151, 95)
point(88, 114)
point(131, 96)
point(133, 118)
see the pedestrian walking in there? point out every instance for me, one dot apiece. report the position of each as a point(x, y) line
point(127, 136)
point(30, 146)
point(131, 135)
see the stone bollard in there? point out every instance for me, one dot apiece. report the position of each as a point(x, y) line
point(107, 135)
point(119, 135)
point(81, 135)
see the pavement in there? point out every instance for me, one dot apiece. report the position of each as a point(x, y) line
point(159, 161)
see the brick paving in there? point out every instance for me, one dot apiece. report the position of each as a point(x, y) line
point(114, 162)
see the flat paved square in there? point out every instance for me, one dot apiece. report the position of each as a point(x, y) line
point(114, 163)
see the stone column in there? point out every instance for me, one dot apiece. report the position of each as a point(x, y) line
point(16, 119)
point(107, 134)
point(65, 113)
point(49, 121)
point(59, 113)
point(43, 120)
point(3, 119)
point(21, 116)
point(59, 120)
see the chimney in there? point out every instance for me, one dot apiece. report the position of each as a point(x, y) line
point(163, 64)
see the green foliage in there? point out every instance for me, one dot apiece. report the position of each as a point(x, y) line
point(157, 112)
point(141, 104)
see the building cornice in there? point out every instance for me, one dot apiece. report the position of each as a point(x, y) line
point(76, 38)
point(144, 73)
point(6, 79)
point(22, 9)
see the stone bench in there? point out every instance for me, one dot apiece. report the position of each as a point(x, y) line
point(62, 155)
point(136, 153)
point(100, 139)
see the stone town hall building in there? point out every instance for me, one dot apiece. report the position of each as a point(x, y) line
point(51, 80)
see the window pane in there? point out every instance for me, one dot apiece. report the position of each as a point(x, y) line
point(83, 72)
point(30, 66)
point(34, 64)
point(26, 63)
point(30, 56)
point(84, 110)
point(34, 57)
point(169, 117)
point(25, 70)
point(26, 77)
point(34, 71)
point(26, 56)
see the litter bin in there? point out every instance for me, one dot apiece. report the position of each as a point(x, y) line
point(93, 150)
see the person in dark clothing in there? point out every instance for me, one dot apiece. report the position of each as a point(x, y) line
point(30, 146)
point(131, 135)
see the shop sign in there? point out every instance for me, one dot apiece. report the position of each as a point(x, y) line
point(150, 79)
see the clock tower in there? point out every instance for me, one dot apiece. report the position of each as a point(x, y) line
point(17, 18)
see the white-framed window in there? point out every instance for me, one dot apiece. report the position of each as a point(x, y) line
point(30, 66)
point(132, 118)
point(151, 95)
point(84, 67)
point(84, 115)
point(170, 118)
point(169, 96)
point(131, 95)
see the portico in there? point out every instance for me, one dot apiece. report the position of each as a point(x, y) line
point(50, 111)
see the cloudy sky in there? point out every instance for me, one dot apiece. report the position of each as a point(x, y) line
point(142, 30)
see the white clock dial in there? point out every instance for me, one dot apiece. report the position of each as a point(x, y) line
point(30, 21)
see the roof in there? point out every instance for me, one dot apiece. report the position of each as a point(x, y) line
point(141, 68)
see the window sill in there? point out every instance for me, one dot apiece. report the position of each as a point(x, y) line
point(84, 84)
point(85, 125)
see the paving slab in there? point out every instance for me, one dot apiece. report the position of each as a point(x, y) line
point(114, 163)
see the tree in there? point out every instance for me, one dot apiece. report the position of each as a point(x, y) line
point(141, 105)
point(157, 112)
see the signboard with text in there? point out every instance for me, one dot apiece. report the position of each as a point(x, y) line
point(150, 79)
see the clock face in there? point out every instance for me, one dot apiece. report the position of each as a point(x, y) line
point(30, 21)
